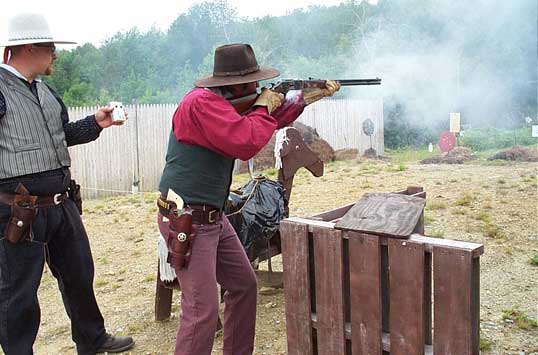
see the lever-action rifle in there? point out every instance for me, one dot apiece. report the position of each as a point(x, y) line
point(244, 103)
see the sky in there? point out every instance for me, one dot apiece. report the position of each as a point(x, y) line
point(94, 21)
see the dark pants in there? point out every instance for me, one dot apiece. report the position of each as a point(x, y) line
point(59, 239)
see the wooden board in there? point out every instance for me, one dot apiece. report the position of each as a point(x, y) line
point(295, 261)
point(365, 289)
point(388, 214)
point(406, 297)
point(455, 315)
point(329, 291)
point(333, 214)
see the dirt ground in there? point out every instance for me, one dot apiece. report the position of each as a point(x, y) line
point(492, 203)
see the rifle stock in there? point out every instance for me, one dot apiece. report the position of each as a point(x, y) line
point(244, 103)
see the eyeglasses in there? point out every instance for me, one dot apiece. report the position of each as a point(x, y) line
point(52, 47)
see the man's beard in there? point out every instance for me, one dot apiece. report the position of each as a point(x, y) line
point(49, 70)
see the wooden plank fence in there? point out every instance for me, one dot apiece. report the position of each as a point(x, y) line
point(130, 158)
point(355, 293)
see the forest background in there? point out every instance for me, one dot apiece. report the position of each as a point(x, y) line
point(434, 57)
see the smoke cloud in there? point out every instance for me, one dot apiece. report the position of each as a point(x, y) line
point(436, 57)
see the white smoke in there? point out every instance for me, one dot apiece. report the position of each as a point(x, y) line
point(452, 57)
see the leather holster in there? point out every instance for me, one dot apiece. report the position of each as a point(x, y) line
point(23, 212)
point(180, 238)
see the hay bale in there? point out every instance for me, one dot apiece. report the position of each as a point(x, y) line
point(370, 153)
point(458, 155)
point(323, 149)
point(517, 153)
point(346, 154)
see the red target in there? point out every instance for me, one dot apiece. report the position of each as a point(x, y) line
point(447, 141)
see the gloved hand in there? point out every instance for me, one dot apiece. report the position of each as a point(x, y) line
point(331, 87)
point(313, 95)
point(269, 99)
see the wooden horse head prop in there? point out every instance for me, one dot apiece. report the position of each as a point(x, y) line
point(292, 153)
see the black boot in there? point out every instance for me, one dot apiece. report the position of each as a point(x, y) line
point(114, 344)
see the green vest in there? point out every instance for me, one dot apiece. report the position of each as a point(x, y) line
point(197, 174)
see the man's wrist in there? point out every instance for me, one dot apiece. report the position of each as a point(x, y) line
point(96, 124)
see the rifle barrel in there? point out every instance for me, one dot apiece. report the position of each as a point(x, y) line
point(352, 82)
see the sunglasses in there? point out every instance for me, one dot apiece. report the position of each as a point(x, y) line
point(52, 47)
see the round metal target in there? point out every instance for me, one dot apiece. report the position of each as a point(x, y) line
point(447, 141)
point(368, 127)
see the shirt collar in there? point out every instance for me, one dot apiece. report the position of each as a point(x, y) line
point(15, 72)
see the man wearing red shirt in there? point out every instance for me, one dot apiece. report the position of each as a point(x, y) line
point(207, 136)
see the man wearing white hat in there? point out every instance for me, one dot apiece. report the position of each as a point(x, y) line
point(39, 216)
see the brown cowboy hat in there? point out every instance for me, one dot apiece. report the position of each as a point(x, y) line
point(235, 64)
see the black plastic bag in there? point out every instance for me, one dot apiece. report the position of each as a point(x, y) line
point(255, 212)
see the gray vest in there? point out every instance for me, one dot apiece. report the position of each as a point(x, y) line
point(32, 138)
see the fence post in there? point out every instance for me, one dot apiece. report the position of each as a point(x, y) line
point(136, 168)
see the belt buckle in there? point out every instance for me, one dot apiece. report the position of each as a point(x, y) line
point(56, 199)
point(210, 218)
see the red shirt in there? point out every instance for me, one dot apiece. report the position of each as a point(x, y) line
point(206, 119)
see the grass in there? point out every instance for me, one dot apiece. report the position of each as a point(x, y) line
point(149, 278)
point(484, 217)
point(520, 319)
point(396, 168)
point(534, 259)
point(429, 219)
point(508, 250)
point(436, 233)
point(458, 212)
point(136, 328)
point(435, 205)
point(100, 282)
point(411, 154)
point(485, 344)
point(493, 231)
point(465, 199)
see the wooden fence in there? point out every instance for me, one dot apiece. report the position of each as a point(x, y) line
point(355, 293)
point(131, 158)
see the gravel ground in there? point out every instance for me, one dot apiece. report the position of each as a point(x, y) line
point(490, 203)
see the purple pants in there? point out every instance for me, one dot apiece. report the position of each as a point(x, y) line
point(217, 257)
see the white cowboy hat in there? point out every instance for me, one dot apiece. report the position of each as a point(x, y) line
point(29, 28)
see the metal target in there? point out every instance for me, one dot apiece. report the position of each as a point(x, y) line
point(447, 141)
point(368, 127)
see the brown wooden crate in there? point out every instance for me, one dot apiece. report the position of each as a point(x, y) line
point(365, 286)
point(429, 243)
point(389, 214)
point(295, 260)
point(406, 297)
point(329, 291)
point(428, 312)
point(454, 318)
